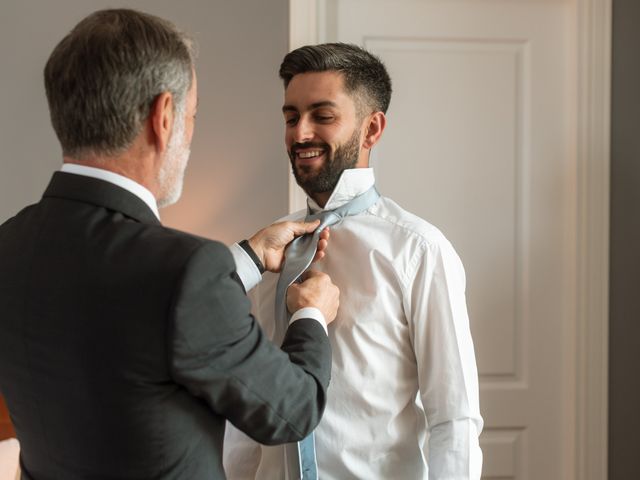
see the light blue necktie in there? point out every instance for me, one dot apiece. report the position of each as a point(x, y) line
point(301, 456)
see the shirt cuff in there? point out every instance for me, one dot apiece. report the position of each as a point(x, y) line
point(310, 312)
point(245, 267)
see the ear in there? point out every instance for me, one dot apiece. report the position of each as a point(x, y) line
point(162, 117)
point(374, 128)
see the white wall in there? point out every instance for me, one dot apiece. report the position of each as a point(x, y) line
point(236, 180)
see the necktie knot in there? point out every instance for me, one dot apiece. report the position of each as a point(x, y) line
point(301, 251)
point(326, 217)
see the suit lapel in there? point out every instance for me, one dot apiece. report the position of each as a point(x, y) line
point(99, 193)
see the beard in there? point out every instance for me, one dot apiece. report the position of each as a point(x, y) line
point(326, 178)
point(171, 175)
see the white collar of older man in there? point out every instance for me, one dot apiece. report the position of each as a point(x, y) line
point(121, 181)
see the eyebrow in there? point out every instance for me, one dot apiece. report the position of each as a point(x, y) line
point(325, 103)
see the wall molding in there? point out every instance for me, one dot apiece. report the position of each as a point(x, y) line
point(594, 20)
point(303, 30)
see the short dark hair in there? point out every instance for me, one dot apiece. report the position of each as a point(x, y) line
point(364, 73)
point(102, 78)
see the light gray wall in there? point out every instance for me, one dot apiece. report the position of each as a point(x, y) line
point(624, 381)
point(237, 176)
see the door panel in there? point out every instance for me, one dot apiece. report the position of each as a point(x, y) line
point(481, 142)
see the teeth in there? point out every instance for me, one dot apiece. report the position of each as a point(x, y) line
point(315, 153)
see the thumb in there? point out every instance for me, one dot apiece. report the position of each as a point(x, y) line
point(310, 274)
point(300, 228)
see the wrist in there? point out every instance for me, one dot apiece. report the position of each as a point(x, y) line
point(254, 253)
point(310, 312)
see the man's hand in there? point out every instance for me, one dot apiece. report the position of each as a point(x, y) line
point(270, 242)
point(317, 290)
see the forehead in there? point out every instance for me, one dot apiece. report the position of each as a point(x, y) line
point(307, 89)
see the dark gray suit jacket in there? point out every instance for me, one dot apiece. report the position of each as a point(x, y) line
point(124, 345)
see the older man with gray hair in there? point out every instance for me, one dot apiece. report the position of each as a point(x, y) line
point(125, 345)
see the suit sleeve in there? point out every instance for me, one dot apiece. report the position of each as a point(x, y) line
point(219, 353)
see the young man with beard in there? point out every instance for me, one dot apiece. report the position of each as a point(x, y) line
point(404, 397)
point(125, 345)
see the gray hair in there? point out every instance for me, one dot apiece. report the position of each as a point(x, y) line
point(364, 74)
point(103, 77)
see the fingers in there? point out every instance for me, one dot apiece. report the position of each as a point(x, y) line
point(317, 290)
point(311, 274)
point(300, 228)
point(320, 253)
point(325, 234)
point(322, 245)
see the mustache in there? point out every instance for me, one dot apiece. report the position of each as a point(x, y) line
point(300, 146)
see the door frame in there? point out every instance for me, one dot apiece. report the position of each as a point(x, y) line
point(594, 29)
point(588, 366)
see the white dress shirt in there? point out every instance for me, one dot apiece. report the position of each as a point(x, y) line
point(403, 400)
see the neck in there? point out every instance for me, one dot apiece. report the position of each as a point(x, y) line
point(321, 198)
point(138, 168)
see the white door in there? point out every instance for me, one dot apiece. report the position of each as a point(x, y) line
point(481, 141)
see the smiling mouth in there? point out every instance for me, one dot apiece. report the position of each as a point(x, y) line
point(309, 154)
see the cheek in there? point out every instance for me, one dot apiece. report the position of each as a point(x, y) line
point(288, 137)
point(332, 134)
point(189, 132)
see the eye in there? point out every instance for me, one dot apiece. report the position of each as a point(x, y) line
point(324, 118)
point(291, 120)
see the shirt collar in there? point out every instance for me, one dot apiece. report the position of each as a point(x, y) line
point(121, 181)
point(352, 182)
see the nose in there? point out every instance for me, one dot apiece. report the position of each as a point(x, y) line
point(302, 131)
